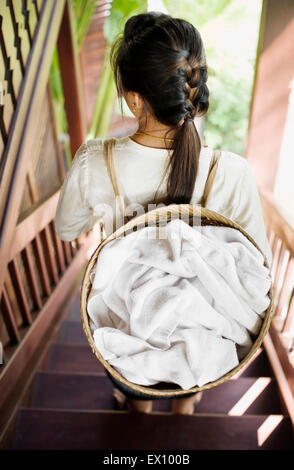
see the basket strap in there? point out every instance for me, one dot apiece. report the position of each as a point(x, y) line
point(211, 175)
point(110, 165)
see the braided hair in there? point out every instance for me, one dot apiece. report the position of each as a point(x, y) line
point(163, 59)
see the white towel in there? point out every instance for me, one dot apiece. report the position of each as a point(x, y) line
point(182, 308)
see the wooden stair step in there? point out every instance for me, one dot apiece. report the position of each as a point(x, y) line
point(71, 332)
point(258, 366)
point(42, 429)
point(80, 358)
point(246, 395)
point(94, 392)
point(79, 391)
point(73, 391)
point(74, 309)
point(73, 358)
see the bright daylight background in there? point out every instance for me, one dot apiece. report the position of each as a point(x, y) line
point(229, 29)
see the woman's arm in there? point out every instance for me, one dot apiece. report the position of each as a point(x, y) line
point(248, 212)
point(74, 216)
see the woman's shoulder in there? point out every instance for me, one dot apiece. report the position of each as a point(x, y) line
point(232, 168)
point(91, 151)
point(94, 148)
point(232, 161)
point(95, 144)
point(229, 163)
point(230, 173)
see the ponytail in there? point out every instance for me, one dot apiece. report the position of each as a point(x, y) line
point(163, 59)
point(183, 164)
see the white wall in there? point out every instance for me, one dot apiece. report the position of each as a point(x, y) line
point(284, 183)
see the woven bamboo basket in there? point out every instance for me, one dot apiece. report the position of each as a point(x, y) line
point(191, 214)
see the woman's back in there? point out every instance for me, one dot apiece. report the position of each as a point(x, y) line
point(87, 193)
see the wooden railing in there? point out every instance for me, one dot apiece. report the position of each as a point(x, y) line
point(279, 342)
point(37, 268)
point(37, 261)
point(40, 273)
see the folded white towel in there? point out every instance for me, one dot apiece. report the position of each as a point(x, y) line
point(177, 304)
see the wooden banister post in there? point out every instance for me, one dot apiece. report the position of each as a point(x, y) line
point(71, 79)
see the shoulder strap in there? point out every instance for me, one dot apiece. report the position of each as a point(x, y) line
point(110, 165)
point(211, 176)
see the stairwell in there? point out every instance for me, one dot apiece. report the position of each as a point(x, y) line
point(72, 407)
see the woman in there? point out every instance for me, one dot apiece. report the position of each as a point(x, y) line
point(160, 69)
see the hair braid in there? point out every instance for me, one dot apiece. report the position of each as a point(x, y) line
point(163, 59)
point(195, 80)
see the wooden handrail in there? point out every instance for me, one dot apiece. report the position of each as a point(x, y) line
point(280, 341)
point(27, 229)
point(278, 220)
point(21, 141)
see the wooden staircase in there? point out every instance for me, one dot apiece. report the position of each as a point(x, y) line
point(72, 407)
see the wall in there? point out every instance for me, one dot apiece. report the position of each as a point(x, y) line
point(275, 71)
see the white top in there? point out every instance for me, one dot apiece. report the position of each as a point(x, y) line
point(87, 194)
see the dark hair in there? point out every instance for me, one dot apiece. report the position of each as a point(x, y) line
point(163, 59)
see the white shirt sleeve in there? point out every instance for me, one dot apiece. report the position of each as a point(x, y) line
point(74, 216)
point(248, 212)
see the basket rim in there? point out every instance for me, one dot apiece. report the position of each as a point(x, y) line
point(205, 215)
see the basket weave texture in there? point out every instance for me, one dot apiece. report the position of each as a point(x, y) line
point(162, 215)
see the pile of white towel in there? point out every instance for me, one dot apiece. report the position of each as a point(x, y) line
point(177, 304)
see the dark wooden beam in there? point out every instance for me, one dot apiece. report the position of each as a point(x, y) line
point(71, 78)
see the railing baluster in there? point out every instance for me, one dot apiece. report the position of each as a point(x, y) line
point(48, 249)
point(19, 291)
point(286, 288)
point(39, 256)
point(32, 281)
point(73, 248)
point(67, 252)
point(8, 317)
point(288, 324)
point(276, 256)
point(58, 248)
point(272, 240)
point(281, 269)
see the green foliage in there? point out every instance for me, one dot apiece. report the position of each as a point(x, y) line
point(120, 11)
point(57, 93)
point(200, 11)
point(229, 30)
point(226, 122)
point(83, 11)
